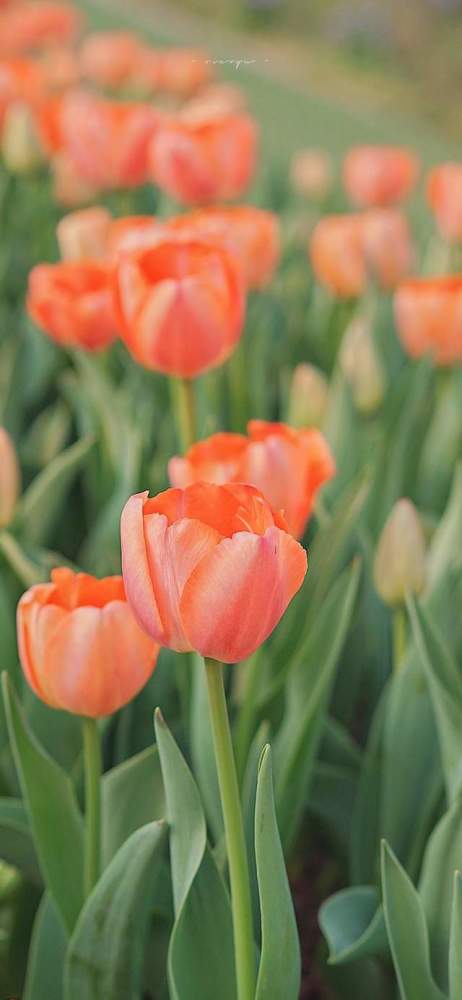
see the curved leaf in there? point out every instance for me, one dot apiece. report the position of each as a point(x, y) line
point(279, 972)
point(455, 947)
point(132, 796)
point(442, 858)
point(16, 841)
point(353, 924)
point(41, 502)
point(45, 964)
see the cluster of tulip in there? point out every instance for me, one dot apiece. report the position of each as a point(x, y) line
point(338, 376)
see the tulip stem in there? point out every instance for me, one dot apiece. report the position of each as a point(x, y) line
point(244, 950)
point(93, 768)
point(237, 379)
point(399, 636)
point(184, 403)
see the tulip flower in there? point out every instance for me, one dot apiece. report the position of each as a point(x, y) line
point(182, 71)
point(216, 100)
point(10, 478)
point(84, 234)
point(133, 232)
point(21, 80)
point(80, 646)
point(111, 58)
point(27, 26)
point(347, 250)
point(399, 565)
point(107, 141)
point(72, 303)
point(311, 173)
point(69, 189)
point(444, 195)
point(252, 233)
point(379, 176)
point(308, 397)
point(60, 67)
point(209, 568)
point(180, 305)
point(428, 315)
point(287, 466)
point(206, 160)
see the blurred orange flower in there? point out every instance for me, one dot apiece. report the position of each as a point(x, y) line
point(288, 466)
point(252, 233)
point(444, 194)
point(80, 646)
point(106, 140)
point(347, 250)
point(133, 232)
point(206, 160)
point(428, 313)
point(311, 173)
point(20, 80)
point(182, 71)
point(28, 26)
point(111, 58)
point(379, 176)
point(180, 305)
point(84, 234)
point(209, 568)
point(72, 303)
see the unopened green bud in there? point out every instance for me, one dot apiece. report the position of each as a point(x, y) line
point(308, 396)
point(20, 146)
point(400, 560)
point(362, 367)
point(9, 478)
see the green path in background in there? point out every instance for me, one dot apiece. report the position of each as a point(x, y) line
point(290, 116)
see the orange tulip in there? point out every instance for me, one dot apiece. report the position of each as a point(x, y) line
point(80, 646)
point(379, 176)
point(180, 305)
point(209, 160)
point(84, 234)
point(209, 568)
point(68, 187)
point(133, 232)
point(182, 71)
point(288, 466)
point(311, 173)
point(48, 117)
point(72, 303)
point(252, 233)
point(27, 26)
point(107, 141)
point(111, 58)
point(20, 80)
point(428, 313)
point(61, 68)
point(346, 250)
point(444, 194)
point(215, 100)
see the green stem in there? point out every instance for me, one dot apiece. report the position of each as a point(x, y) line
point(26, 570)
point(184, 404)
point(93, 768)
point(399, 636)
point(237, 381)
point(234, 830)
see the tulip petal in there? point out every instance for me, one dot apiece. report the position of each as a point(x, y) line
point(238, 592)
point(137, 580)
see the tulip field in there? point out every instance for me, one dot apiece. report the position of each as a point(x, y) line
point(230, 536)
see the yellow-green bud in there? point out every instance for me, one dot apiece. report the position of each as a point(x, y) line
point(308, 397)
point(20, 145)
point(362, 367)
point(10, 478)
point(400, 559)
point(311, 173)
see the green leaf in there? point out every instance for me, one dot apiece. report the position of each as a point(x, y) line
point(54, 815)
point(445, 685)
point(201, 958)
point(308, 688)
point(442, 858)
point(353, 924)
point(455, 946)
point(331, 799)
point(45, 965)
point(16, 842)
point(105, 957)
point(366, 817)
point(407, 931)
point(40, 505)
point(279, 972)
point(132, 796)
point(444, 550)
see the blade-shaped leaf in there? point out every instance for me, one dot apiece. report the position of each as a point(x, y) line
point(132, 796)
point(201, 959)
point(40, 504)
point(105, 957)
point(279, 972)
point(442, 858)
point(455, 946)
point(16, 841)
point(445, 684)
point(407, 931)
point(202, 752)
point(45, 965)
point(308, 687)
point(54, 815)
point(353, 924)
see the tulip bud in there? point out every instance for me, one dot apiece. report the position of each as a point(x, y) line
point(400, 560)
point(362, 367)
point(308, 396)
point(311, 173)
point(20, 145)
point(84, 234)
point(9, 478)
